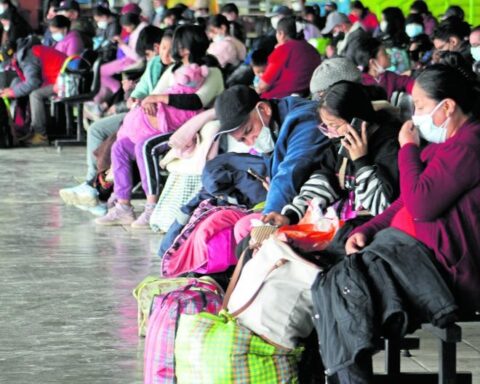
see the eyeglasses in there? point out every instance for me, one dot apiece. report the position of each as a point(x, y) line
point(331, 131)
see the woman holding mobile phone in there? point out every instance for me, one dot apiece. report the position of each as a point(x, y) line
point(363, 183)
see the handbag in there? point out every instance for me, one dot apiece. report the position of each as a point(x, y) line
point(68, 83)
point(216, 349)
point(283, 308)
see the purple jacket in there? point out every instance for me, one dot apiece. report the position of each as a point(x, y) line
point(440, 188)
point(72, 44)
point(390, 81)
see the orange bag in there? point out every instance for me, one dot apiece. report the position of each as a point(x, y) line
point(314, 232)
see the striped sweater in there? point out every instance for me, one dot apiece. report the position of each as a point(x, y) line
point(371, 182)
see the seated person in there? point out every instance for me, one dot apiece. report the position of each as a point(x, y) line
point(439, 202)
point(373, 59)
point(66, 40)
point(50, 13)
point(227, 49)
point(14, 26)
point(157, 49)
point(237, 30)
point(452, 35)
point(258, 63)
point(190, 44)
point(290, 66)
point(39, 67)
point(108, 27)
point(83, 25)
point(362, 181)
point(132, 23)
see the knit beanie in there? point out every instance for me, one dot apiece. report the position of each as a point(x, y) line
point(332, 71)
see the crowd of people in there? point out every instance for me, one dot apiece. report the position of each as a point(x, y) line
point(375, 116)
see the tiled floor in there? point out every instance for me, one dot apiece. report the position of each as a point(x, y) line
point(66, 310)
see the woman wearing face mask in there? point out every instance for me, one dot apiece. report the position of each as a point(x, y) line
point(228, 50)
point(133, 25)
point(371, 57)
point(14, 27)
point(393, 36)
point(439, 201)
point(108, 27)
point(366, 181)
point(67, 41)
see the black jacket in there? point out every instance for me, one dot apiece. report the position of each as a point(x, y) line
point(389, 288)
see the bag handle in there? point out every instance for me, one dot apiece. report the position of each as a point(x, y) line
point(236, 277)
point(67, 61)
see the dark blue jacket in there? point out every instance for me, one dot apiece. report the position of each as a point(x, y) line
point(297, 150)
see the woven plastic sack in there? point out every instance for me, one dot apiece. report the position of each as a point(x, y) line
point(214, 349)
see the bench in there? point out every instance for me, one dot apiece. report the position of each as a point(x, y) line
point(447, 359)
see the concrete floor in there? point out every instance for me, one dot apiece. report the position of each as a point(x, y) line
point(67, 314)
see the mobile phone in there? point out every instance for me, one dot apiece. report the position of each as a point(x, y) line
point(256, 175)
point(356, 124)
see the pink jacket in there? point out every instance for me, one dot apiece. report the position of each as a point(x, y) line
point(72, 44)
point(228, 51)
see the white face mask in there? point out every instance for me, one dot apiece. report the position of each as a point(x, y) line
point(159, 10)
point(58, 36)
point(428, 130)
point(475, 51)
point(103, 24)
point(379, 68)
point(218, 38)
point(264, 142)
point(383, 26)
point(297, 6)
point(6, 28)
point(413, 30)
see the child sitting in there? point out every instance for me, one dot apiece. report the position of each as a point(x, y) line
point(139, 126)
point(258, 62)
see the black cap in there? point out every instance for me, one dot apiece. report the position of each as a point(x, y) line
point(68, 5)
point(233, 107)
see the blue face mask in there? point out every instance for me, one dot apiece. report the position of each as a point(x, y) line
point(256, 81)
point(413, 30)
point(475, 51)
point(58, 36)
point(159, 10)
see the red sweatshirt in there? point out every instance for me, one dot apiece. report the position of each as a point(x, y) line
point(440, 188)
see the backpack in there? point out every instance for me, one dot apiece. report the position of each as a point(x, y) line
point(195, 297)
point(218, 254)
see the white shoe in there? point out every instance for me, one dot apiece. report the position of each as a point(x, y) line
point(83, 194)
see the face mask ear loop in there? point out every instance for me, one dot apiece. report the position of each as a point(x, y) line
point(260, 116)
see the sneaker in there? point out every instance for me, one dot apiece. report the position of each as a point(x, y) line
point(37, 140)
point(143, 222)
point(121, 214)
point(83, 194)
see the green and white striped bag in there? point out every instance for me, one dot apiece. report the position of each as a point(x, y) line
point(215, 349)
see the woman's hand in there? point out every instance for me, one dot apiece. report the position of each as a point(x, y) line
point(409, 134)
point(118, 40)
point(356, 145)
point(355, 243)
point(7, 92)
point(275, 218)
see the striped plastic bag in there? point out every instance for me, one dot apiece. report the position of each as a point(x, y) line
point(215, 349)
point(152, 286)
point(159, 359)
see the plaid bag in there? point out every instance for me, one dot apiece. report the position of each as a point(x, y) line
point(178, 190)
point(153, 286)
point(159, 359)
point(215, 349)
